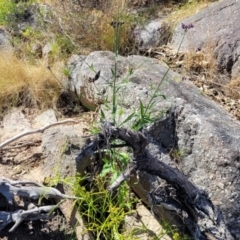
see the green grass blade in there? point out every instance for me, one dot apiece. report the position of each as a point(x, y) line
point(128, 118)
point(102, 114)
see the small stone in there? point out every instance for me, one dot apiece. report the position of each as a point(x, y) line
point(220, 185)
point(234, 195)
point(211, 177)
point(227, 192)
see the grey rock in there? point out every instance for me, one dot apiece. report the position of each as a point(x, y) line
point(36, 49)
point(154, 34)
point(15, 122)
point(83, 71)
point(60, 147)
point(209, 141)
point(28, 15)
point(215, 30)
point(46, 49)
point(4, 40)
point(47, 117)
point(204, 136)
point(130, 72)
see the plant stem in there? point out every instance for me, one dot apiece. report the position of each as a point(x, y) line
point(116, 46)
point(161, 81)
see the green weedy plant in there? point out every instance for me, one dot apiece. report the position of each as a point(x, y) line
point(17, 11)
point(102, 212)
point(66, 71)
point(6, 7)
point(173, 231)
point(114, 168)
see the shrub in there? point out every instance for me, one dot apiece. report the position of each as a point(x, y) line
point(6, 7)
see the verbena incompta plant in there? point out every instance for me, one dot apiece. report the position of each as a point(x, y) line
point(105, 213)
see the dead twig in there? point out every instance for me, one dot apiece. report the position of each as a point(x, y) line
point(11, 188)
point(21, 215)
point(40, 130)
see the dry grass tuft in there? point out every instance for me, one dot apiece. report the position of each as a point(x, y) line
point(187, 10)
point(92, 28)
point(25, 84)
point(233, 88)
point(201, 62)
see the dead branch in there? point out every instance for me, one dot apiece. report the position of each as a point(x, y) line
point(11, 188)
point(40, 130)
point(183, 198)
point(22, 215)
point(123, 177)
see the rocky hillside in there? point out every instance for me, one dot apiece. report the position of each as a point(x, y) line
point(169, 69)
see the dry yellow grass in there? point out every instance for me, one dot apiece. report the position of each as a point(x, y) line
point(201, 62)
point(90, 28)
point(233, 88)
point(109, 35)
point(187, 10)
point(25, 84)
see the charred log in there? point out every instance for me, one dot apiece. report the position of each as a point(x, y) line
point(179, 196)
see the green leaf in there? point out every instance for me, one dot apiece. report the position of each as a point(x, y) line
point(131, 71)
point(124, 155)
point(124, 158)
point(141, 109)
point(152, 104)
point(128, 118)
point(114, 107)
point(91, 67)
point(160, 95)
point(108, 107)
point(94, 130)
point(114, 177)
point(120, 112)
point(113, 72)
point(107, 168)
point(102, 114)
point(119, 85)
point(117, 89)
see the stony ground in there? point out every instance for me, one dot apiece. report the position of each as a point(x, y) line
point(23, 161)
point(55, 228)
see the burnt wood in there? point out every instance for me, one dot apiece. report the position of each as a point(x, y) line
point(203, 220)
